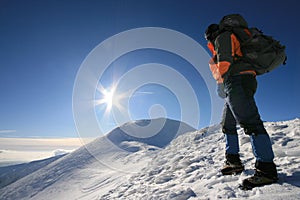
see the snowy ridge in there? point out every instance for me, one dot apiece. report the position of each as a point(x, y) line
point(157, 132)
point(97, 167)
point(187, 168)
point(8, 174)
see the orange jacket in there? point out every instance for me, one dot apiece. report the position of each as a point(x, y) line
point(224, 51)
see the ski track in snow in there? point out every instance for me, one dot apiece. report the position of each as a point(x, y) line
point(187, 168)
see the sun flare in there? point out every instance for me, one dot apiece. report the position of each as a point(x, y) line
point(109, 98)
point(106, 97)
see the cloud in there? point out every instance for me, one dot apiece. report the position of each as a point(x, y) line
point(8, 131)
point(39, 144)
point(59, 152)
point(139, 93)
point(8, 157)
point(20, 150)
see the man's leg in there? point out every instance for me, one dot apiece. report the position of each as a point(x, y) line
point(262, 147)
point(241, 90)
point(229, 129)
point(233, 163)
point(240, 98)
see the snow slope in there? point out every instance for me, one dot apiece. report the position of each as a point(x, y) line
point(10, 174)
point(187, 168)
point(97, 167)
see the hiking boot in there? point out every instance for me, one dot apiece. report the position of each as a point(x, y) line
point(233, 165)
point(265, 174)
point(257, 180)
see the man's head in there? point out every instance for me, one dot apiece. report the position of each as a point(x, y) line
point(211, 32)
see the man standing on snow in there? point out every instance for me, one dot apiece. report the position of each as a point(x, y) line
point(239, 82)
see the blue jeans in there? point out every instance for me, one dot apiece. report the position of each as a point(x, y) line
point(240, 108)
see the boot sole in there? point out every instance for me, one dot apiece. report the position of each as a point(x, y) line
point(233, 172)
point(247, 185)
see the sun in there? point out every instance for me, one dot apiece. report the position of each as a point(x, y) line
point(109, 98)
point(106, 97)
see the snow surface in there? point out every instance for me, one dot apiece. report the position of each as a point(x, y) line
point(168, 165)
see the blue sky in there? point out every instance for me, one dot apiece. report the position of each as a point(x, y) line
point(43, 44)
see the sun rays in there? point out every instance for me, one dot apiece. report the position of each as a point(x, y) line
point(109, 98)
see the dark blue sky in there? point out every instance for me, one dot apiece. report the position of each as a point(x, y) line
point(44, 42)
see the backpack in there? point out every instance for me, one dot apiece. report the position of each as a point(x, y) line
point(263, 52)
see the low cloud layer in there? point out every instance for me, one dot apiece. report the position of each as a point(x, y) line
point(18, 150)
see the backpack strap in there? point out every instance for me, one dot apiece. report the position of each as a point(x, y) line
point(244, 36)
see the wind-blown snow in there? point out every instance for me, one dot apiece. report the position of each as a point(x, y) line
point(187, 168)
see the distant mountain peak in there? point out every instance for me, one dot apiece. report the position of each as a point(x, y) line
point(156, 132)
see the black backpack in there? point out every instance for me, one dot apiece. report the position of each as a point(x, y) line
point(263, 52)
